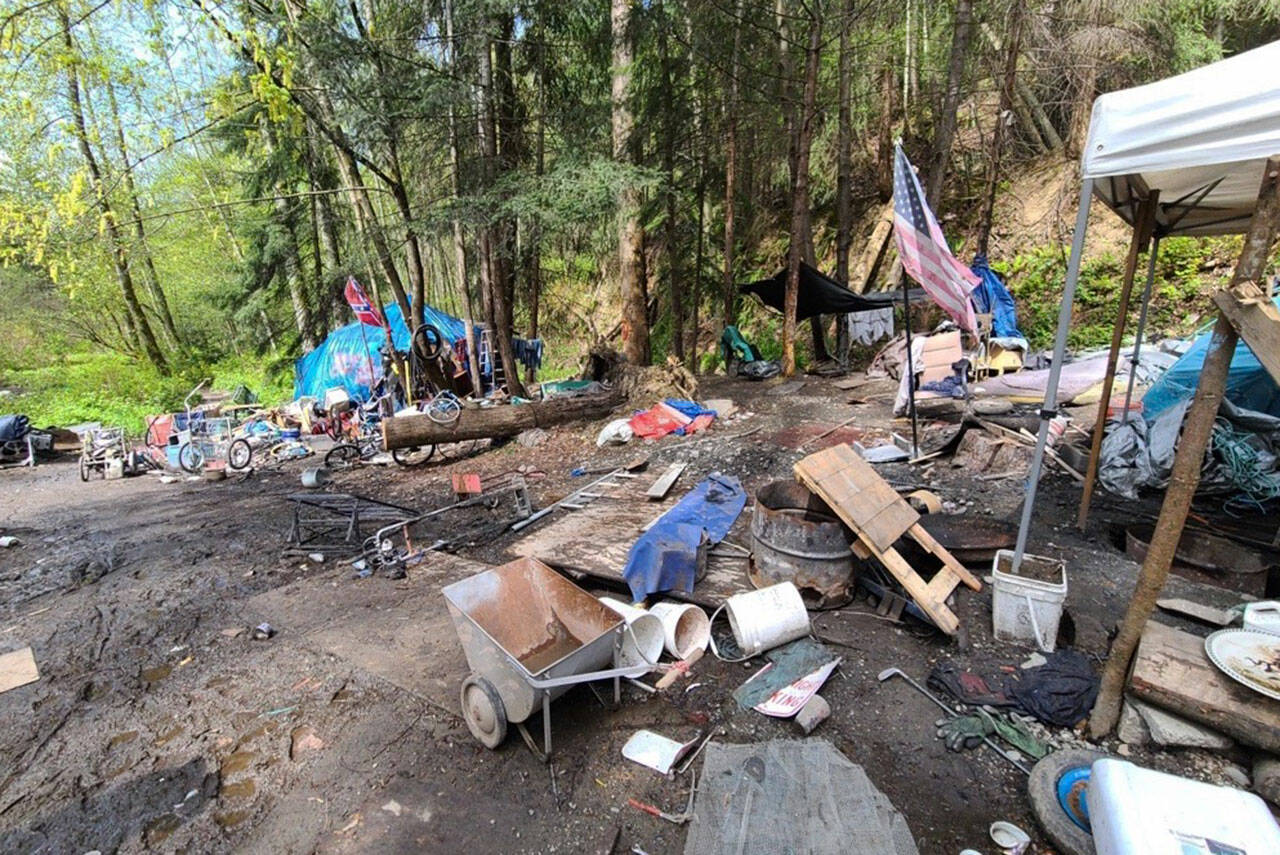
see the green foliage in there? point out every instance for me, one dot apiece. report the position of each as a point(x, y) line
point(1187, 270)
point(115, 390)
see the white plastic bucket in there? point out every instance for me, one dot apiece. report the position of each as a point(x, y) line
point(1263, 617)
point(1023, 608)
point(763, 619)
point(316, 476)
point(642, 642)
point(685, 627)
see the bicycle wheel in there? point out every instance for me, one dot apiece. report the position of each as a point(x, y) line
point(444, 410)
point(418, 455)
point(84, 467)
point(239, 454)
point(342, 456)
point(191, 457)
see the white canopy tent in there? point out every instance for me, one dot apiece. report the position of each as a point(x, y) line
point(1183, 156)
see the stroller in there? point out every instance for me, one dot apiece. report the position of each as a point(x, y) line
point(19, 444)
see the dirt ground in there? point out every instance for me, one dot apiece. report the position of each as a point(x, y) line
point(160, 723)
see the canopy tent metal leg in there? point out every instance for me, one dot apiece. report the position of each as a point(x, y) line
point(1142, 326)
point(1049, 408)
point(1187, 461)
point(1143, 225)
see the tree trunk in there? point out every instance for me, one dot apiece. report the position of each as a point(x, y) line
point(800, 193)
point(675, 280)
point(960, 35)
point(731, 169)
point(635, 321)
point(844, 175)
point(503, 420)
point(1000, 137)
point(884, 133)
point(119, 255)
point(150, 276)
point(1032, 112)
point(510, 153)
point(459, 238)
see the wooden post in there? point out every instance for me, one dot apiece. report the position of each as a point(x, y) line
point(1186, 464)
point(1143, 226)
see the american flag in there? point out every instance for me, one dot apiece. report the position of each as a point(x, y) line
point(360, 304)
point(923, 248)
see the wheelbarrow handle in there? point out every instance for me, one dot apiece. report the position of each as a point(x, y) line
point(588, 677)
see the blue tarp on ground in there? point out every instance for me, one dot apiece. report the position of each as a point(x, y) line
point(350, 359)
point(992, 296)
point(665, 558)
point(1248, 383)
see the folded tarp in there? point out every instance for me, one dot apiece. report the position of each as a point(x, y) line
point(819, 294)
point(665, 558)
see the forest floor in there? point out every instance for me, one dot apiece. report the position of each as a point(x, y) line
point(160, 723)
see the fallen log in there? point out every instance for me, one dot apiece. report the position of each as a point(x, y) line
point(418, 429)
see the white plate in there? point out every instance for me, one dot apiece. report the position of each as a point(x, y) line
point(1248, 657)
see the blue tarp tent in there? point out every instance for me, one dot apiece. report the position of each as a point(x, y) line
point(1248, 383)
point(347, 357)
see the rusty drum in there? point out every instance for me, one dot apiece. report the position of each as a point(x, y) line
point(796, 538)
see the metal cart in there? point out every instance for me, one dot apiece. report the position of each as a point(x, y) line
point(100, 449)
point(529, 634)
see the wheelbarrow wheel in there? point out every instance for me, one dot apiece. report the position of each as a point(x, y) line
point(482, 708)
point(1057, 791)
point(84, 469)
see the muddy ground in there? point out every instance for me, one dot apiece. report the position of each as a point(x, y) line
point(160, 723)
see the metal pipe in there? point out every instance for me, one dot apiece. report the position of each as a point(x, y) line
point(1142, 325)
point(1049, 408)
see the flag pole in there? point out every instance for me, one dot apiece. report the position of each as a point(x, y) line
point(911, 373)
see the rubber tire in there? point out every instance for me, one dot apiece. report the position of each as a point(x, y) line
point(1042, 789)
point(233, 454)
point(342, 456)
point(407, 457)
point(190, 458)
point(483, 710)
point(428, 343)
point(84, 470)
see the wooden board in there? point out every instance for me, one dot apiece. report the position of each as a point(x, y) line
point(1172, 671)
point(1257, 320)
point(863, 499)
point(879, 516)
point(595, 541)
point(665, 481)
point(18, 668)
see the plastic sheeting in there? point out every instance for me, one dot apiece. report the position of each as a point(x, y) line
point(1211, 127)
point(819, 294)
point(665, 558)
point(796, 796)
point(349, 357)
point(1248, 383)
point(1139, 454)
point(992, 296)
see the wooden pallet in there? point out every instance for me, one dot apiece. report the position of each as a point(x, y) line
point(879, 516)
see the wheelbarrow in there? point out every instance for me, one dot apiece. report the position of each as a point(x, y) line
point(529, 634)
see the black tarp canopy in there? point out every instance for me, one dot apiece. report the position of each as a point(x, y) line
point(819, 294)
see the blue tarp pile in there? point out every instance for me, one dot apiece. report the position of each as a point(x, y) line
point(665, 558)
point(992, 296)
point(1248, 383)
point(350, 359)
